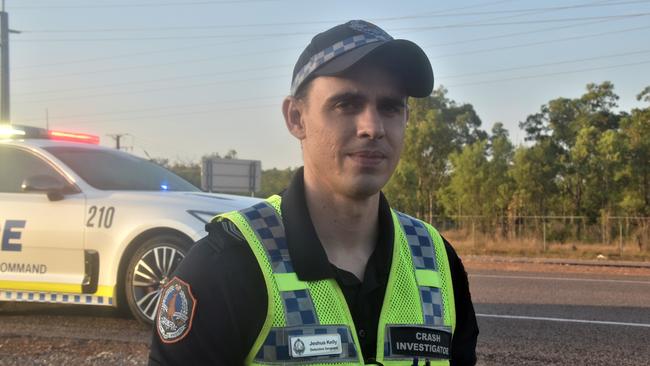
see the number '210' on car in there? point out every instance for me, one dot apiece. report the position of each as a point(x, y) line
point(85, 224)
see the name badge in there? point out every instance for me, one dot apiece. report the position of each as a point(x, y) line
point(420, 341)
point(315, 345)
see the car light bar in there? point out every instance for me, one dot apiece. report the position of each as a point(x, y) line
point(28, 132)
point(8, 131)
point(71, 136)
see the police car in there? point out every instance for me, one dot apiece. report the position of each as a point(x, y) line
point(85, 224)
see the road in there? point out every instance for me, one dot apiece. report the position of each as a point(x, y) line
point(529, 314)
point(550, 315)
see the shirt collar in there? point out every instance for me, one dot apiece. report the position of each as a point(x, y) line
point(307, 254)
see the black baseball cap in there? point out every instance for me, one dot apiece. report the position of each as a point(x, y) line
point(337, 49)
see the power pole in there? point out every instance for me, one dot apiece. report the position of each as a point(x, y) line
point(118, 139)
point(5, 116)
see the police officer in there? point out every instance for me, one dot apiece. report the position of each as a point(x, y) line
point(326, 272)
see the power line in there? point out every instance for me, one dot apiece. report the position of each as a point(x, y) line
point(141, 82)
point(286, 66)
point(155, 108)
point(544, 64)
point(288, 34)
point(154, 90)
point(272, 67)
point(523, 22)
point(280, 24)
point(515, 34)
point(142, 5)
point(165, 50)
point(136, 67)
point(540, 42)
point(169, 50)
point(184, 114)
point(549, 74)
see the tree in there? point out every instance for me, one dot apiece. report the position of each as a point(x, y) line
point(635, 129)
point(466, 192)
point(275, 181)
point(437, 127)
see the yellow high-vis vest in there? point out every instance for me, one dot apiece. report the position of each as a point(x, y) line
point(309, 323)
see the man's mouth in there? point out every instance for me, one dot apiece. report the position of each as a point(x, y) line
point(368, 157)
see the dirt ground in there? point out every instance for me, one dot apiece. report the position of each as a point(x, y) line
point(48, 334)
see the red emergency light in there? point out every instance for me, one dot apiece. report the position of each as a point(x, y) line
point(73, 137)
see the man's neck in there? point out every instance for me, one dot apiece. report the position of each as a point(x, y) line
point(346, 227)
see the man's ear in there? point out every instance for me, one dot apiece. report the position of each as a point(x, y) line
point(292, 109)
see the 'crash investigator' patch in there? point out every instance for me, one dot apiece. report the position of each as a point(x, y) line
point(175, 311)
point(420, 341)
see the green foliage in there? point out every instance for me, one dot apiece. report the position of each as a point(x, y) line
point(437, 127)
point(582, 158)
point(275, 181)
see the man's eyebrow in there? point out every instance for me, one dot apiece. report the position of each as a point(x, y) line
point(349, 95)
point(393, 99)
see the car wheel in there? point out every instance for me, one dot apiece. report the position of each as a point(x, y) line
point(149, 269)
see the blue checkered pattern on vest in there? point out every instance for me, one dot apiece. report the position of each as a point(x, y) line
point(276, 345)
point(332, 51)
point(267, 224)
point(424, 257)
point(269, 229)
point(300, 315)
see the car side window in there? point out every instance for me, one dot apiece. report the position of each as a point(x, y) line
point(16, 165)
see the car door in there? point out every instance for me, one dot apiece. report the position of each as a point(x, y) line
point(42, 247)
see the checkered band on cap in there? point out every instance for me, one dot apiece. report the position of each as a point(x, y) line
point(424, 257)
point(275, 349)
point(333, 51)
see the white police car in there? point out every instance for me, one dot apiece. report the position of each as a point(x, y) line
point(84, 224)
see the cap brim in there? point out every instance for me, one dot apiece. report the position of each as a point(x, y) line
point(403, 58)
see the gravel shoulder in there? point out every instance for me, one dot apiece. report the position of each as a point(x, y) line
point(45, 334)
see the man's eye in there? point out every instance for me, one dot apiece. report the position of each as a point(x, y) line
point(392, 108)
point(347, 106)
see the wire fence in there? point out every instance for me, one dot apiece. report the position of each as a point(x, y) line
point(621, 231)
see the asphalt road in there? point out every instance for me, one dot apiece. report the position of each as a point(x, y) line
point(559, 318)
point(528, 315)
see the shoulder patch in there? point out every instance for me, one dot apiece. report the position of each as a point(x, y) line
point(175, 311)
point(231, 229)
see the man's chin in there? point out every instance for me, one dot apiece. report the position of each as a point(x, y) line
point(366, 186)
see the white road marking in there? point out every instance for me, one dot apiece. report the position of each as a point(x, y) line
point(562, 320)
point(562, 279)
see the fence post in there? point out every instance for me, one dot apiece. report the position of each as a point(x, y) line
point(544, 234)
point(620, 237)
point(474, 232)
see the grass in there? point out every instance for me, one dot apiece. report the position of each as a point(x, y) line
point(528, 247)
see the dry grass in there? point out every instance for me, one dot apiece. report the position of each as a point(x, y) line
point(488, 245)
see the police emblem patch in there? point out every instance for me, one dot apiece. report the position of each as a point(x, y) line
point(298, 347)
point(175, 311)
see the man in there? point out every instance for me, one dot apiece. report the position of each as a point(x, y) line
point(327, 272)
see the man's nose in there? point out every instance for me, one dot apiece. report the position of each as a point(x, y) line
point(370, 124)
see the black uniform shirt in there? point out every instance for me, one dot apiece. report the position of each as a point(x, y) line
point(231, 297)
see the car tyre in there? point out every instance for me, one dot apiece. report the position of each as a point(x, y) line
point(148, 270)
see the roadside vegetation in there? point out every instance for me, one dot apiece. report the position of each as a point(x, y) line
point(578, 187)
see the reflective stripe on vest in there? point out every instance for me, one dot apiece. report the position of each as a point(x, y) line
point(418, 292)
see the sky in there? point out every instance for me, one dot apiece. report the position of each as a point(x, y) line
point(186, 78)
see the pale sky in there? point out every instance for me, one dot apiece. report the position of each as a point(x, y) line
point(186, 78)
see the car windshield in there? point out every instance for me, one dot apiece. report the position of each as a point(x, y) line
point(116, 170)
